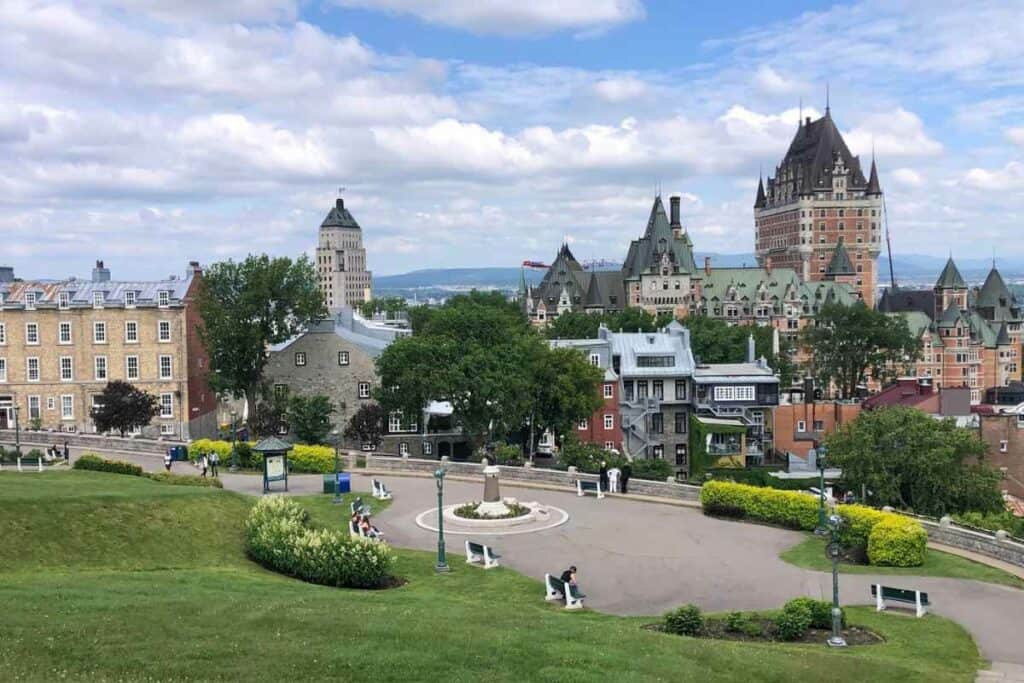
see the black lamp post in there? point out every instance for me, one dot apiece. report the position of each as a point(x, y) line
point(442, 563)
point(822, 521)
point(234, 434)
point(337, 488)
point(832, 550)
point(17, 430)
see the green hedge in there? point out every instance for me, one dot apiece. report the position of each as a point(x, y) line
point(278, 536)
point(302, 457)
point(821, 612)
point(800, 511)
point(184, 480)
point(897, 542)
point(91, 461)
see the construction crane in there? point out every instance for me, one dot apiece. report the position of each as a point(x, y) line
point(535, 265)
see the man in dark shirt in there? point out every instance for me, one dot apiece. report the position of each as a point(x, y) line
point(569, 576)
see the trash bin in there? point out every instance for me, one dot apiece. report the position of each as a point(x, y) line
point(344, 482)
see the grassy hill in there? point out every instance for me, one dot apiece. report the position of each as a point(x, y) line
point(108, 577)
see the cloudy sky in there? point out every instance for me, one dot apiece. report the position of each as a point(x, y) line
point(482, 132)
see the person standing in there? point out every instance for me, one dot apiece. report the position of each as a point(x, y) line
point(627, 472)
point(214, 461)
point(67, 454)
point(602, 477)
point(167, 460)
point(204, 463)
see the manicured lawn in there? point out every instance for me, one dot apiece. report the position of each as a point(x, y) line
point(214, 615)
point(810, 554)
point(324, 512)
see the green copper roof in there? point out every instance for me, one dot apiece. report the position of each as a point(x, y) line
point(917, 321)
point(951, 316)
point(840, 263)
point(950, 277)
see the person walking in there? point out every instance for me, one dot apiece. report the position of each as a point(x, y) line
point(602, 477)
point(67, 454)
point(204, 463)
point(627, 472)
point(167, 460)
point(214, 461)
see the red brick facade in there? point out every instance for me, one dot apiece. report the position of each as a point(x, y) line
point(597, 429)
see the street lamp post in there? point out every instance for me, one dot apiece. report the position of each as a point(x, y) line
point(17, 430)
point(442, 563)
point(837, 640)
point(234, 434)
point(337, 457)
point(822, 528)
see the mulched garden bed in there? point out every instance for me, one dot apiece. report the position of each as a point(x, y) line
point(716, 630)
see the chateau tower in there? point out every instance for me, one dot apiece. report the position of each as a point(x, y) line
point(818, 199)
point(341, 260)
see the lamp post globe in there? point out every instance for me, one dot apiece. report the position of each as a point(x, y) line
point(442, 563)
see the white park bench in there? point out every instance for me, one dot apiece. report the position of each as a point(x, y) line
point(478, 553)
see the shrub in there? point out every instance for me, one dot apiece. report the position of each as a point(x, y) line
point(785, 508)
point(278, 536)
point(858, 520)
point(247, 457)
point(507, 454)
point(585, 457)
point(735, 622)
point(821, 611)
point(793, 621)
point(182, 480)
point(200, 446)
point(34, 454)
point(686, 620)
point(654, 469)
point(897, 542)
point(314, 459)
point(993, 521)
point(93, 462)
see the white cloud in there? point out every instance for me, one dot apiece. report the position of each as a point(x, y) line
point(211, 10)
point(1016, 135)
point(1009, 177)
point(512, 18)
point(620, 89)
point(770, 81)
point(899, 133)
point(908, 177)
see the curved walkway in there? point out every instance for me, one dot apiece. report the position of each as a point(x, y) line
point(638, 558)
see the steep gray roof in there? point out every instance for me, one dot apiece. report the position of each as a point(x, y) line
point(908, 300)
point(759, 201)
point(840, 263)
point(995, 301)
point(874, 187)
point(810, 159)
point(950, 277)
point(339, 217)
point(645, 254)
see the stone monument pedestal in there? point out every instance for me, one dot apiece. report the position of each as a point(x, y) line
point(492, 505)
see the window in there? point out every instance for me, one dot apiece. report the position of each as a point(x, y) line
point(35, 411)
point(31, 333)
point(641, 389)
point(819, 426)
point(364, 390)
point(801, 426)
point(67, 407)
point(167, 429)
point(595, 359)
point(655, 361)
point(739, 393)
point(609, 390)
point(1003, 446)
point(64, 333)
point(681, 454)
point(63, 300)
point(129, 299)
point(3, 369)
point(67, 369)
point(131, 332)
point(3, 333)
point(280, 391)
point(609, 445)
point(131, 367)
point(609, 422)
point(583, 425)
point(627, 389)
point(428, 448)
point(30, 301)
point(51, 403)
point(657, 423)
point(403, 448)
point(658, 389)
point(100, 368)
point(97, 299)
point(99, 333)
point(166, 367)
point(681, 422)
point(163, 331)
point(167, 405)
point(658, 452)
point(163, 298)
point(300, 359)
point(397, 423)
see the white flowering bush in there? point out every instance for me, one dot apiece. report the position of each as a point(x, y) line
point(278, 536)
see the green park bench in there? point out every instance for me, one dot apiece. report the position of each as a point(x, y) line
point(881, 594)
point(584, 487)
point(557, 590)
point(482, 554)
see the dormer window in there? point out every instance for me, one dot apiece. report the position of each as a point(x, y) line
point(129, 299)
point(30, 301)
point(163, 298)
point(97, 299)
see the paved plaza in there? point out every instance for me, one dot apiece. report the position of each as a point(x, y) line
point(642, 558)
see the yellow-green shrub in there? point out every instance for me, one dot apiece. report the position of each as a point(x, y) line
point(200, 446)
point(858, 521)
point(897, 541)
point(785, 508)
point(316, 459)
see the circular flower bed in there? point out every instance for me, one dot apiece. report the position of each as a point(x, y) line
point(468, 511)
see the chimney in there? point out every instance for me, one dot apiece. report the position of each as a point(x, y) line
point(99, 273)
point(707, 265)
point(808, 121)
point(675, 223)
point(750, 349)
point(768, 264)
point(340, 204)
point(194, 267)
point(808, 390)
point(6, 274)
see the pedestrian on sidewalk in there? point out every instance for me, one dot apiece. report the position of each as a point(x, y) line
point(167, 460)
point(602, 477)
point(204, 463)
point(67, 454)
point(627, 472)
point(214, 462)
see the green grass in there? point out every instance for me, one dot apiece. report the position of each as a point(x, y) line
point(231, 620)
point(810, 554)
point(325, 513)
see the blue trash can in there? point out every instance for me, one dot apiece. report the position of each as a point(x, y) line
point(344, 482)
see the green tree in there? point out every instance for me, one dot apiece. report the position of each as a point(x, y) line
point(366, 425)
point(248, 305)
point(565, 389)
point(909, 460)
point(578, 325)
point(269, 415)
point(388, 304)
point(848, 342)
point(122, 407)
point(715, 341)
point(310, 418)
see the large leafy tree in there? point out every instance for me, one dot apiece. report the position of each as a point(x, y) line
point(579, 325)
point(715, 341)
point(848, 342)
point(310, 418)
point(388, 304)
point(366, 425)
point(907, 459)
point(248, 305)
point(565, 390)
point(122, 407)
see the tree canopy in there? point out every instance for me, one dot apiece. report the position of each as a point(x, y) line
point(309, 418)
point(579, 325)
point(366, 425)
point(848, 342)
point(247, 305)
point(388, 304)
point(910, 460)
point(122, 407)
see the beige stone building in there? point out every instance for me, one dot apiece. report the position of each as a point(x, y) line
point(61, 341)
point(341, 261)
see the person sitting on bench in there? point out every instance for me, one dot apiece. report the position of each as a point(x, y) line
point(568, 577)
point(368, 529)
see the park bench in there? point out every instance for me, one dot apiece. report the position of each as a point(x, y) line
point(354, 530)
point(911, 597)
point(37, 463)
point(380, 491)
point(484, 554)
point(557, 590)
point(359, 506)
point(583, 487)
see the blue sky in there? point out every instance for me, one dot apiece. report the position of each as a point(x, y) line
point(479, 132)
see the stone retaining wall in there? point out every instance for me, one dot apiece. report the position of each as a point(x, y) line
point(536, 475)
point(990, 545)
point(42, 439)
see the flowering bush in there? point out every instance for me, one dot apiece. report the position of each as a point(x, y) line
point(314, 459)
point(278, 536)
point(897, 542)
point(200, 446)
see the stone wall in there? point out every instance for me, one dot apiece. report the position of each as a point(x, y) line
point(534, 475)
point(42, 439)
point(990, 545)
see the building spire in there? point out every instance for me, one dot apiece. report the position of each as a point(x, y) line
point(827, 104)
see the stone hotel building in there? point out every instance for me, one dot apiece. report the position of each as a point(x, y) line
point(61, 341)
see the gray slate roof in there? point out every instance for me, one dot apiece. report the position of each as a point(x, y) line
point(645, 254)
point(810, 159)
point(950, 277)
point(840, 263)
point(82, 292)
point(339, 217)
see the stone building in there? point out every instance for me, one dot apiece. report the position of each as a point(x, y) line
point(62, 341)
point(341, 260)
point(970, 337)
point(659, 273)
point(1004, 435)
point(603, 427)
point(818, 197)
